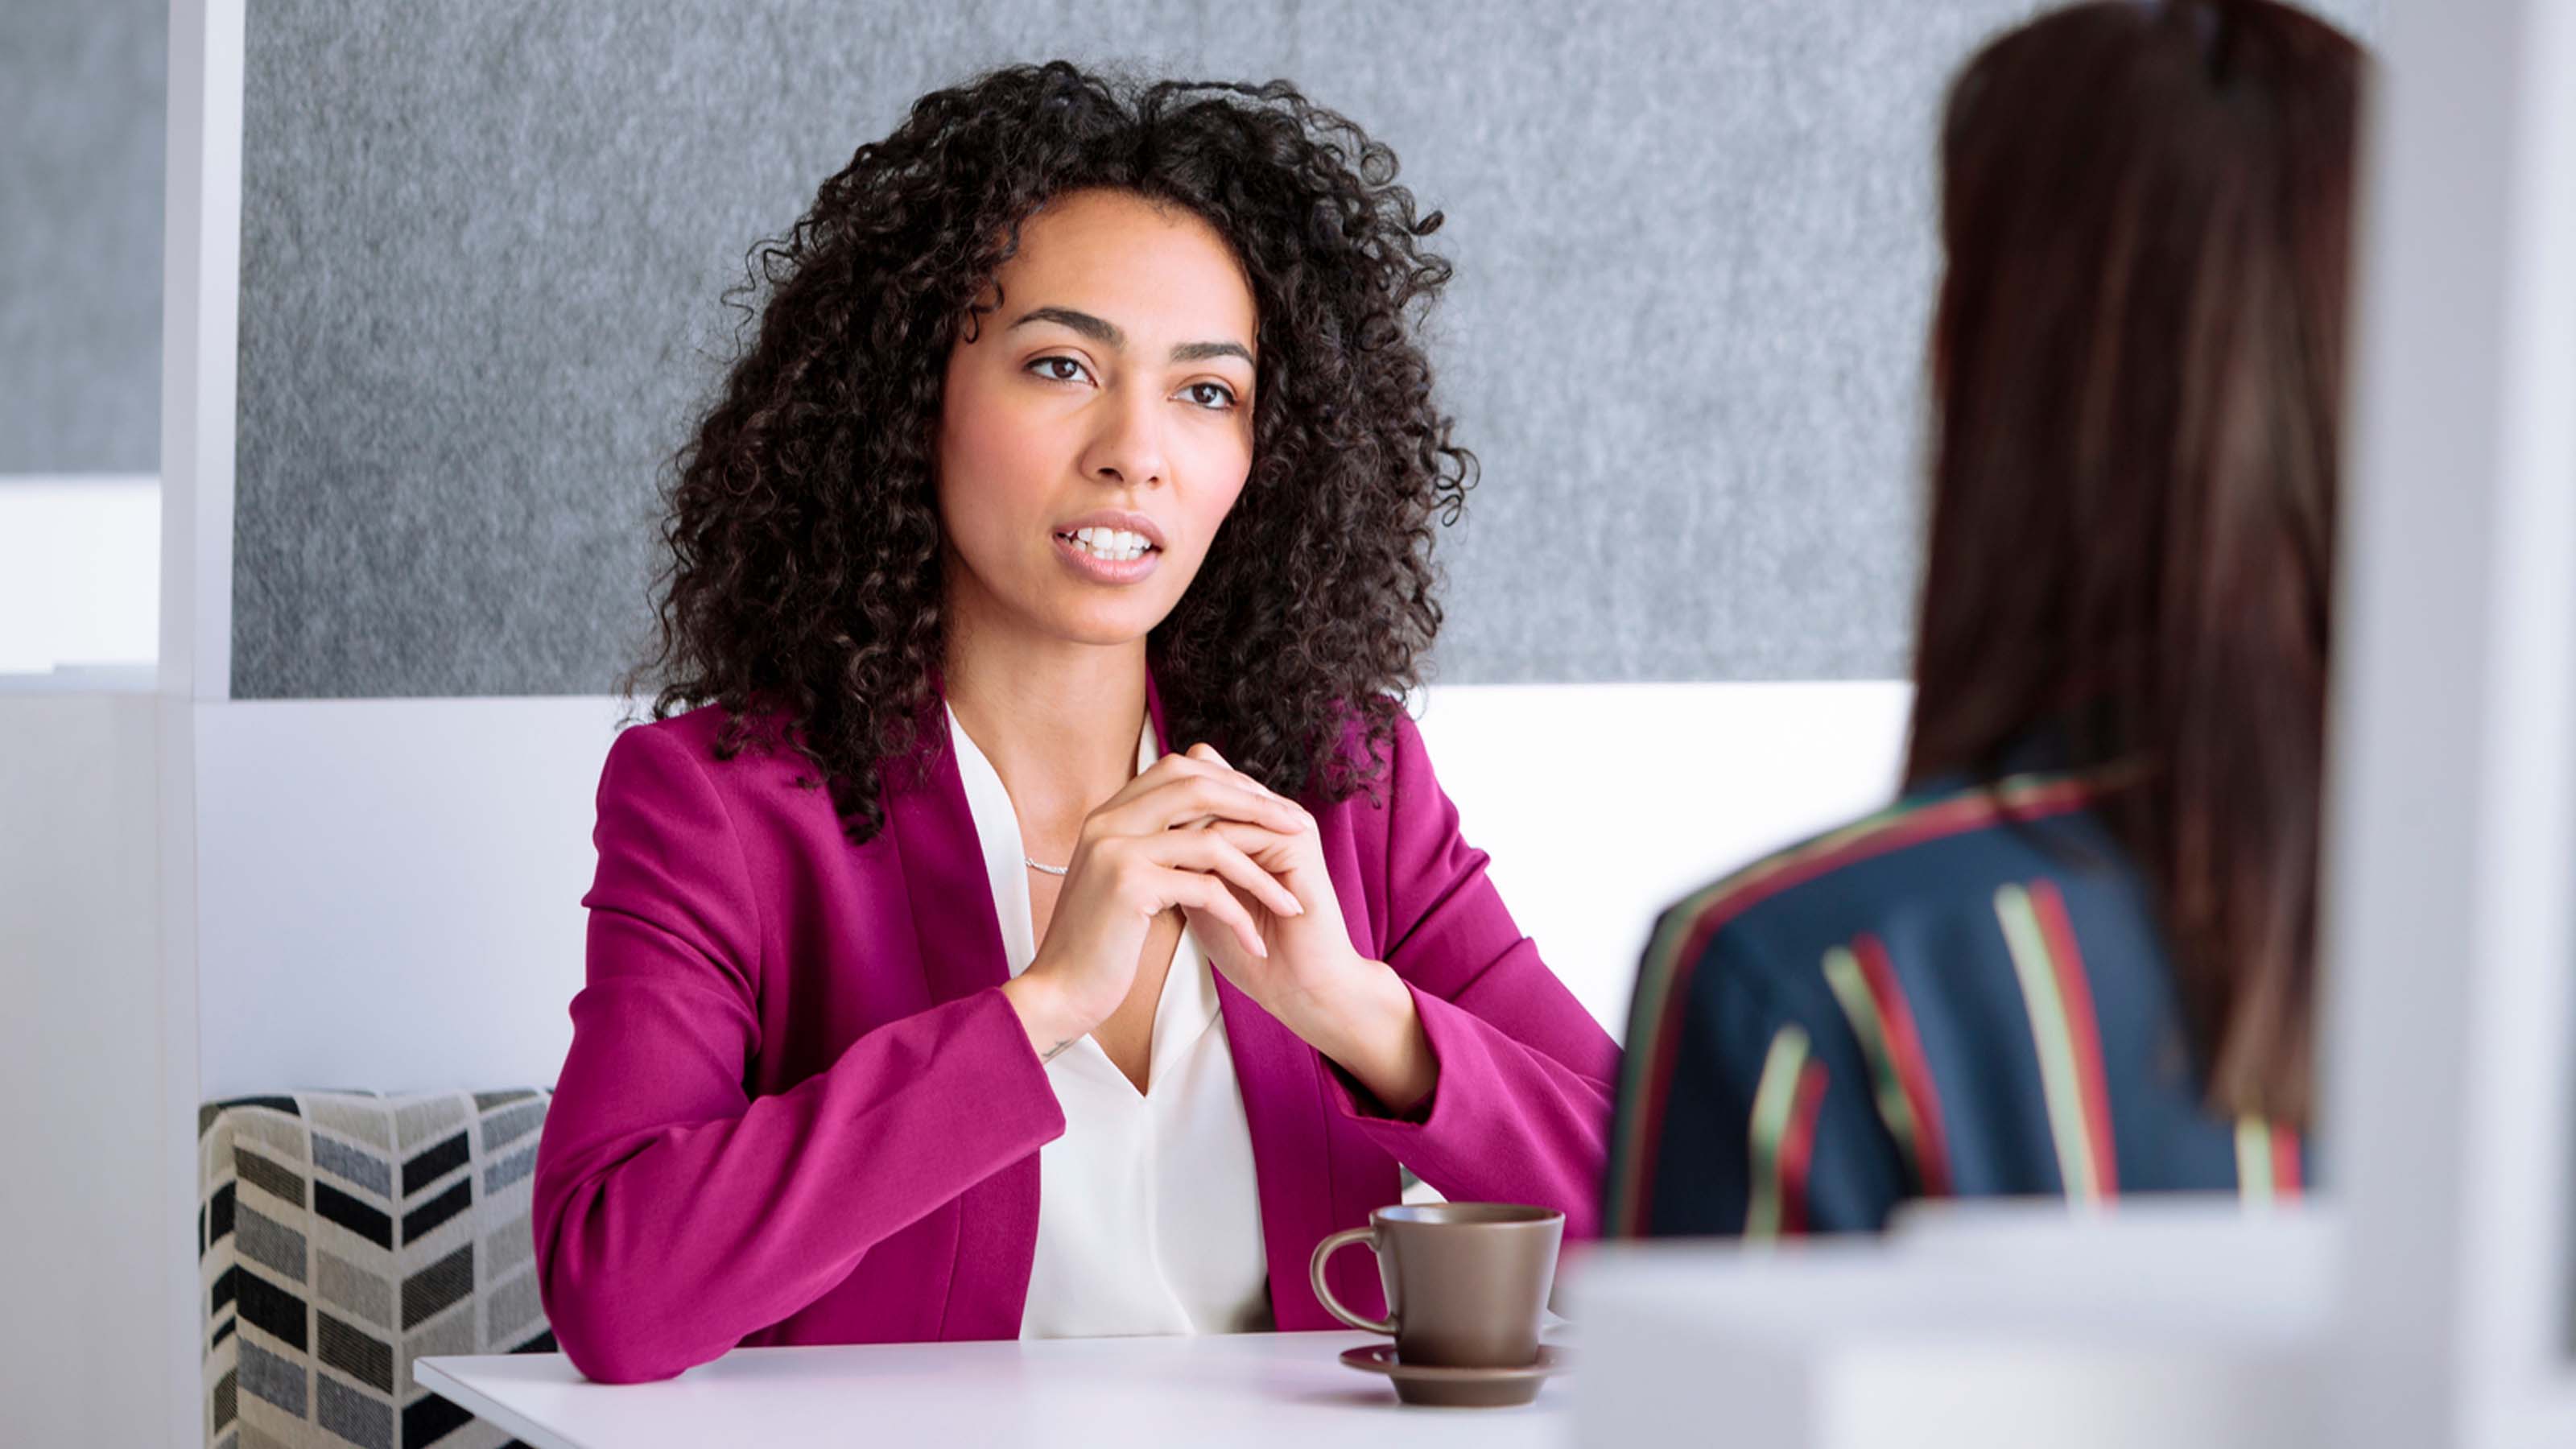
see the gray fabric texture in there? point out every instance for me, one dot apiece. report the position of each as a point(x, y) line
point(484, 245)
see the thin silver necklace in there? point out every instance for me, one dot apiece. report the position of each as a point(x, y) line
point(1034, 864)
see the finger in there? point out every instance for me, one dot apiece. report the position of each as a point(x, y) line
point(1268, 848)
point(1209, 896)
point(1186, 800)
point(1163, 772)
point(1214, 854)
point(1263, 842)
point(1206, 755)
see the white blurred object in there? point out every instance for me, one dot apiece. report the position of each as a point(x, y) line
point(1992, 1325)
point(80, 581)
point(2448, 925)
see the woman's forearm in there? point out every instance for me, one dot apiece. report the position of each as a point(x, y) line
point(666, 1231)
point(1372, 1030)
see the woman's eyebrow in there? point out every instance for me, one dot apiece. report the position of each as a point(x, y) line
point(1082, 322)
point(1106, 332)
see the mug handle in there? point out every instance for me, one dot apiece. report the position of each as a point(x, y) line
point(1324, 1295)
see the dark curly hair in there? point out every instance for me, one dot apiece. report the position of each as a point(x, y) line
point(802, 591)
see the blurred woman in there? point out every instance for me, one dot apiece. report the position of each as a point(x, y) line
point(1031, 912)
point(2078, 956)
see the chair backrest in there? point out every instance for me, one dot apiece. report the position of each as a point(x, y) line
point(342, 1235)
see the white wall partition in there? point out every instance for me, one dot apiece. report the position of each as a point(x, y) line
point(389, 890)
point(200, 346)
point(1601, 804)
point(119, 589)
point(81, 1056)
point(2451, 939)
point(200, 338)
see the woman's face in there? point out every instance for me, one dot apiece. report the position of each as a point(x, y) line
point(1098, 427)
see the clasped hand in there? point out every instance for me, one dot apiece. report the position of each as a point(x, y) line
point(1245, 866)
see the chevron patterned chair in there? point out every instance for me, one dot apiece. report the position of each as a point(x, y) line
point(340, 1236)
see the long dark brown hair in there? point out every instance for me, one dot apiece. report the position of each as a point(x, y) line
point(2138, 372)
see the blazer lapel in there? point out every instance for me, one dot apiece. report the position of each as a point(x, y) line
point(960, 939)
point(943, 873)
point(1283, 1108)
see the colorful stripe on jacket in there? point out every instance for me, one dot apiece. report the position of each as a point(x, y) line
point(1864, 983)
point(1681, 941)
point(2066, 1035)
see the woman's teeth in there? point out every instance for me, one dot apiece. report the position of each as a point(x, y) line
point(1108, 543)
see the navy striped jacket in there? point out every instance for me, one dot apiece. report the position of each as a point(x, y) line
point(1966, 994)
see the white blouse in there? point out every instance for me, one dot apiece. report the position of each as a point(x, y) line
point(1149, 1219)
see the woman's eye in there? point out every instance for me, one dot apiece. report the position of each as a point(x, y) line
point(1058, 369)
point(1210, 395)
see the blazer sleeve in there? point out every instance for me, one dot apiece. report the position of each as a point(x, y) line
point(674, 1212)
point(1521, 1108)
point(1769, 1123)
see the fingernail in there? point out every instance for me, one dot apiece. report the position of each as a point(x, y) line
point(1260, 949)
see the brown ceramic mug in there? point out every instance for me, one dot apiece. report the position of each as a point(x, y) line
point(1465, 1281)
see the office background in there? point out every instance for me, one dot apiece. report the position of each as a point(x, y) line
point(483, 248)
point(481, 253)
point(484, 245)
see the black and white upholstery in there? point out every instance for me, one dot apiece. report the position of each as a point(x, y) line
point(340, 1236)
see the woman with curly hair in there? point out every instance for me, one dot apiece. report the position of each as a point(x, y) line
point(1031, 912)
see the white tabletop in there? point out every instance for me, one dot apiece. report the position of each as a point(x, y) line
point(1250, 1389)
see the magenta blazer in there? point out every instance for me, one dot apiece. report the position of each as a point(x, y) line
point(798, 1110)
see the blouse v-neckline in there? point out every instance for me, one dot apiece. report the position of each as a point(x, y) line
point(1187, 1004)
point(1149, 1204)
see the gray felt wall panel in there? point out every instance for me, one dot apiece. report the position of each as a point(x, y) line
point(81, 118)
point(484, 244)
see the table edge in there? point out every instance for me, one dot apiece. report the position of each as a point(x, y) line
point(427, 1373)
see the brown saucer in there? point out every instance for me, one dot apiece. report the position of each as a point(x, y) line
point(1458, 1388)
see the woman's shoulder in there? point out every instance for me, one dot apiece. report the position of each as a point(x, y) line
point(1382, 738)
point(691, 730)
point(1379, 775)
point(709, 749)
point(1364, 751)
point(1935, 851)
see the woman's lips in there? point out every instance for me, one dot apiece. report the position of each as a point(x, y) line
point(1096, 569)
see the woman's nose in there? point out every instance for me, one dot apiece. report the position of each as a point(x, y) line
point(1129, 447)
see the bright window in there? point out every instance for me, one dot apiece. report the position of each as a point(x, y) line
point(80, 581)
